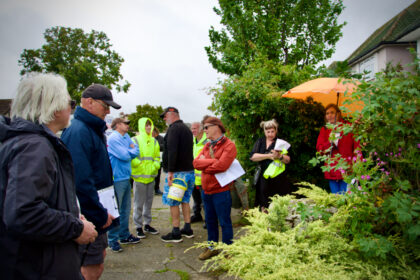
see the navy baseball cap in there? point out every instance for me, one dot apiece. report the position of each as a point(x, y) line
point(100, 92)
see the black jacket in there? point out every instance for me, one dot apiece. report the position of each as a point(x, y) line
point(178, 148)
point(38, 208)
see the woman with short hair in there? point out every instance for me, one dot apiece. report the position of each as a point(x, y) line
point(216, 157)
point(40, 226)
point(263, 152)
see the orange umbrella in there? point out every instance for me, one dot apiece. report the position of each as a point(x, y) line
point(326, 91)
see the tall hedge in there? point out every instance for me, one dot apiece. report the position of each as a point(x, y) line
point(243, 102)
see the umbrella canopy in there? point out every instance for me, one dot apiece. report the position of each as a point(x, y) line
point(326, 91)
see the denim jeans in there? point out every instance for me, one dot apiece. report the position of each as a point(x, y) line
point(123, 193)
point(338, 186)
point(217, 210)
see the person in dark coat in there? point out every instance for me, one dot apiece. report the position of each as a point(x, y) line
point(40, 224)
point(263, 152)
point(160, 140)
point(86, 142)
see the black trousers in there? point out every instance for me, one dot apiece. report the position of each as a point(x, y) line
point(196, 194)
point(157, 180)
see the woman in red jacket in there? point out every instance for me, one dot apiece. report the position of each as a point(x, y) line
point(216, 156)
point(345, 146)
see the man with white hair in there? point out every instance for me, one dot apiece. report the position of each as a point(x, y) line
point(40, 223)
point(200, 140)
point(86, 141)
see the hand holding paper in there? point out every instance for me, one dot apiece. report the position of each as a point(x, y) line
point(281, 144)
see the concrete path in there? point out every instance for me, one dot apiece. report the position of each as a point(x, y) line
point(154, 259)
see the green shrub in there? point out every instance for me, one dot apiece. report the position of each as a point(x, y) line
point(375, 232)
point(243, 102)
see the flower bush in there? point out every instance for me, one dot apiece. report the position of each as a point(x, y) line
point(375, 231)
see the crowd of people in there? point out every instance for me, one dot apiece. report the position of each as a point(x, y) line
point(51, 201)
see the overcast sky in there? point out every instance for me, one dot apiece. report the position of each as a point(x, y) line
point(162, 42)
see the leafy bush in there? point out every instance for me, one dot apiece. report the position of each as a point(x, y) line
point(243, 102)
point(375, 233)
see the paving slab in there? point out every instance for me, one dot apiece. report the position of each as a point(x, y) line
point(154, 259)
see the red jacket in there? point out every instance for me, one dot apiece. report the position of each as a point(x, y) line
point(224, 153)
point(346, 146)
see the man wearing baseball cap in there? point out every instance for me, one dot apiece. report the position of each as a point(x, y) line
point(86, 142)
point(177, 162)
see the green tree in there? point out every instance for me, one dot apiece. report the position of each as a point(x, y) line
point(297, 32)
point(149, 111)
point(82, 58)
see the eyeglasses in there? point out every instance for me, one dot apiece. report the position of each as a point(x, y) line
point(207, 126)
point(106, 106)
point(72, 104)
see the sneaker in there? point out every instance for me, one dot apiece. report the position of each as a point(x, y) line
point(151, 230)
point(170, 237)
point(130, 240)
point(196, 218)
point(115, 247)
point(158, 192)
point(208, 253)
point(204, 226)
point(187, 233)
point(140, 233)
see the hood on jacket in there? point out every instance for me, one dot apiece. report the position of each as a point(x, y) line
point(142, 126)
point(11, 128)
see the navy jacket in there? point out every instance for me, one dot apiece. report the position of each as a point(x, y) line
point(86, 142)
point(38, 208)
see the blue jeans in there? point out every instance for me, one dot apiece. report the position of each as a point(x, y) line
point(123, 193)
point(217, 210)
point(338, 186)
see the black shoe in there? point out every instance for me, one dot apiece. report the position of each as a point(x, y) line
point(187, 233)
point(130, 240)
point(140, 233)
point(170, 237)
point(158, 192)
point(196, 218)
point(204, 226)
point(151, 230)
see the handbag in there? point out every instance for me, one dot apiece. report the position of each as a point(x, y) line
point(257, 175)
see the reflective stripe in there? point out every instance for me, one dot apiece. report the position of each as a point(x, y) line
point(146, 158)
point(198, 175)
point(278, 164)
point(143, 176)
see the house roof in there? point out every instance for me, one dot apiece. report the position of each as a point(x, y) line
point(5, 106)
point(405, 22)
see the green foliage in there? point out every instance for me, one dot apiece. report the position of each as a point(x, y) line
point(147, 111)
point(82, 58)
point(375, 231)
point(339, 69)
point(243, 102)
point(389, 124)
point(311, 250)
point(292, 32)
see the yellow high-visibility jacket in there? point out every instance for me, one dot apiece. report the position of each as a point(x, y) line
point(275, 168)
point(196, 150)
point(144, 168)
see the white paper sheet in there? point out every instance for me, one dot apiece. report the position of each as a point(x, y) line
point(281, 144)
point(234, 172)
point(109, 201)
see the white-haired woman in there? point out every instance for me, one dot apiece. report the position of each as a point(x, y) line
point(40, 227)
point(263, 152)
